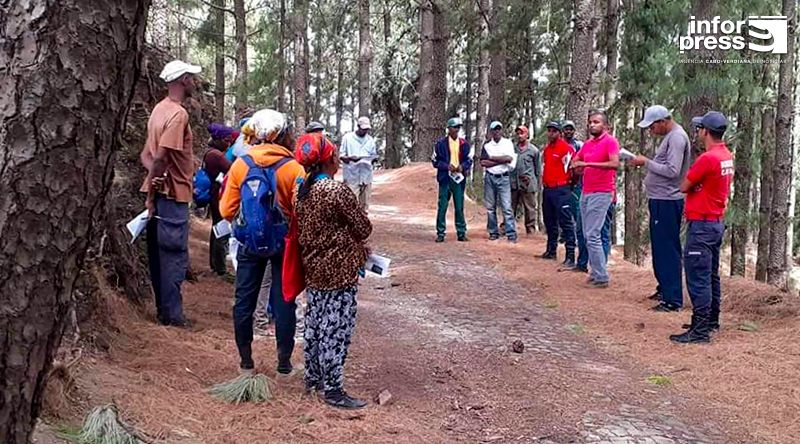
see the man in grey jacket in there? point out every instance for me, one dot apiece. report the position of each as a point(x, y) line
point(525, 178)
point(665, 202)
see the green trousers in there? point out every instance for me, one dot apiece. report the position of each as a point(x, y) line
point(455, 190)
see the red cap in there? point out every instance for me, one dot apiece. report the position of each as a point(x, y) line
point(522, 129)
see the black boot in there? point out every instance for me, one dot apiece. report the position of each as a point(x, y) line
point(713, 323)
point(569, 262)
point(696, 334)
point(285, 364)
point(549, 255)
point(340, 399)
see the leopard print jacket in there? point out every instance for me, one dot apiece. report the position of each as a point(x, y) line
point(333, 230)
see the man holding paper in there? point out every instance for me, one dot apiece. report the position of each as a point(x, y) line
point(452, 161)
point(499, 158)
point(599, 158)
point(525, 178)
point(665, 202)
point(357, 153)
point(556, 182)
point(168, 157)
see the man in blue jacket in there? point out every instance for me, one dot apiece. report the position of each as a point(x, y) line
point(452, 161)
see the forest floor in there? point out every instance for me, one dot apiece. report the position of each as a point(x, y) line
point(597, 364)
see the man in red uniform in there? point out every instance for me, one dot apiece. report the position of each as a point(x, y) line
point(707, 185)
point(556, 157)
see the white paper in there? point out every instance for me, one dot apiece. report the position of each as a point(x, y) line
point(220, 178)
point(378, 265)
point(223, 228)
point(625, 154)
point(567, 160)
point(233, 250)
point(457, 177)
point(137, 225)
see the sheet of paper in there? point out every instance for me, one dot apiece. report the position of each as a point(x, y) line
point(137, 225)
point(625, 154)
point(457, 177)
point(567, 160)
point(378, 265)
point(220, 178)
point(223, 228)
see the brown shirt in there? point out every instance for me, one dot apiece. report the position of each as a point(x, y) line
point(169, 128)
point(333, 229)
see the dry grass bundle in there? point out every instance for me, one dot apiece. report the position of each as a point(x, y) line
point(243, 388)
point(103, 426)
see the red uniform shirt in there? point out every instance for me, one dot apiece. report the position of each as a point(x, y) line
point(556, 157)
point(711, 176)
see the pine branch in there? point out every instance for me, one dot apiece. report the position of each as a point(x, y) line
point(218, 8)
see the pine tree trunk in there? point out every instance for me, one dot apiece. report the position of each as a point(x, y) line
point(470, 72)
point(699, 98)
point(281, 88)
point(394, 114)
point(219, 60)
point(240, 19)
point(497, 69)
point(300, 63)
point(364, 59)
point(782, 169)
point(482, 124)
point(318, 67)
point(612, 51)
point(69, 68)
point(765, 196)
point(741, 187)
point(339, 92)
point(430, 111)
point(635, 249)
point(582, 66)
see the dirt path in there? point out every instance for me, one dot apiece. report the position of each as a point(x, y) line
point(437, 335)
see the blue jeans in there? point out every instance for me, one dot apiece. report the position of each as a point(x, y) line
point(168, 257)
point(665, 243)
point(605, 233)
point(594, 209)
point(497, 190)
point(701, 261)
point(556, 212)
point(249, 275)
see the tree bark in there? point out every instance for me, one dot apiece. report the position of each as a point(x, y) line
point(782, 168)
point(339, 93)
point(240, 19)
point(582, 65)
point(701, 96)
point(66, 85)
point(612, 51)
point(281, 87)
point(364, 59)
point(318, 68)
point(219, 60)
point(765, 195)
point(430, 112)
point(470, 72)
point(394, 114)
point(741, 187)
point(497, 69)
point(635, 248)
point(482, 124)
point(300, 63)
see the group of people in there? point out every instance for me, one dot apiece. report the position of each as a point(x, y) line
point(264, 180)
point(578, 183)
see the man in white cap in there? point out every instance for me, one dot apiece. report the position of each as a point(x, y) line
point(168, 157)
point(357, 152)
point(665, 202)
point(499, 159)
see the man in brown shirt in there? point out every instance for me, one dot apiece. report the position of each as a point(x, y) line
point(169, 160)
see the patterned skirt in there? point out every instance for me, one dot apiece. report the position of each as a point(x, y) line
point(330, 320)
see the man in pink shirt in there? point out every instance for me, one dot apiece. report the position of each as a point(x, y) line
point(599, 159)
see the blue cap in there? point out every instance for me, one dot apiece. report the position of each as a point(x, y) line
point(553, 124)
point(712, 120)
point(454, 122)
point(495, 125)
point(568, 123)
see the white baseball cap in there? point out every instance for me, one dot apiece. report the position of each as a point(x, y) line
point(175, 69)
point(363, 123)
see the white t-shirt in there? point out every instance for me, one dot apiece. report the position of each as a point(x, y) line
point(502, 148)
point(357, 173)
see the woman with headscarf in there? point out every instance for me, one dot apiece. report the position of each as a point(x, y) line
point(332, 233)
point(215, 163)
point(271, 139)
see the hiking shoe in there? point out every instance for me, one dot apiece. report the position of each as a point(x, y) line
point(494, 237)
point(439, 239)
point(598, 284)
point(580, 269)
point(666, 307)
point(463, 238)
point(568, 264)
point(548, 255)
point(340, 399)
point(512, 240)
point(285, 365)
point(692, 336)
point(713, 328)
point(657, 296)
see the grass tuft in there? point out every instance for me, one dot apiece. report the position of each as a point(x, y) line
point(244, 388)
point(102, 426)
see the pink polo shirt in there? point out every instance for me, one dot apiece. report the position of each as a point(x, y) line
point(599, 149)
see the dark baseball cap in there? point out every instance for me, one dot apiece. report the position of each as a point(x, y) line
point(553, 124)
point(314, 127)
point(712, 120)
point(568, 123)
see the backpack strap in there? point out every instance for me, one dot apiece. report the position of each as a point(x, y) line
point(249, 161)
point(281, 163)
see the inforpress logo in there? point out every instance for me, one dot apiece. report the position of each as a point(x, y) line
point(757, 33)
